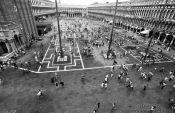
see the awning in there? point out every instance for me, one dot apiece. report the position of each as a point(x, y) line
point(145, 32)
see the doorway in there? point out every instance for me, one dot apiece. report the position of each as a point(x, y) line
point(3, 48)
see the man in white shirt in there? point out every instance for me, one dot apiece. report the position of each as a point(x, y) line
point(40, 93)
point(140, 68)
point(106, 79)
point(152, 109)
point(171, 77)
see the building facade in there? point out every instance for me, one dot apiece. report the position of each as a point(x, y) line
point(136, 15)
point(42, 7)
point(17, 26)
point(102, 11)
point(72, 10)
point(47, 8)
point(43, 11)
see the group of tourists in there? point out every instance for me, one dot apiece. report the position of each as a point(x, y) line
point(82, 30)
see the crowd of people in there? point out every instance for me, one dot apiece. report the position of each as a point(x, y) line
point(16, 63)
point(12, 60)
point(97, 37)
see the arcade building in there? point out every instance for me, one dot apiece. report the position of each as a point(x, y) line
point(44, 12)
point(140, 16)
point(17, 27)
point(10, 39)
point(72, 10)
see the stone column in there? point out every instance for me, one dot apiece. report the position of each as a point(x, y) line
point(13, 45)
point(8, 47)
point(19, 40)
point(159, 37)
point(129, 28)
point(165, 39)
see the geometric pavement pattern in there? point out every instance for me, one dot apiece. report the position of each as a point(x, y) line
point(51, 63)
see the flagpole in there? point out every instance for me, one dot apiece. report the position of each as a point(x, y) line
point(154, 31)
point(111, 35)
point(59, 31)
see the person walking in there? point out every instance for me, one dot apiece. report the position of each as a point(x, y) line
point(144, 88)
point(62, 84)
point(98, 105)
point(56, 85)
point(106, 79)
point(115, 62)
point(113, 107)
point(83, 79)
point(112, 69)
point(152, 109)
point(95, 111)
point(40, 93)
point(140, 68)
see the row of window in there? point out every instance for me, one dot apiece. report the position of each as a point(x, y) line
point(70, 9)
point(150, 2)
point(41, 2)
point(35, 2)
point(36, 10)
point(168, 14)
point(145, 12)
point(138, 22)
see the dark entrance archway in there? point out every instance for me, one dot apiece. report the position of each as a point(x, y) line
point(162, 36)
point(17, 42)
point(39, 32)
point(169, 39)
point(156, 35)
point(3, 48)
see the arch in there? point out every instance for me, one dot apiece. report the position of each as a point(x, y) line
point(158, 13)
point(166, 13)
point(169, 38)
point(3, 48)
point(171, 14)
point(154, 13)
point(17, 42)
point(150, 13)
point(156, 35)
point(162, 36)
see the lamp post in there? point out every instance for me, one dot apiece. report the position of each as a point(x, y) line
point(59, 31)
point(111, 35)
